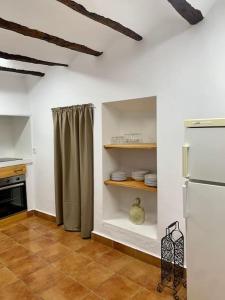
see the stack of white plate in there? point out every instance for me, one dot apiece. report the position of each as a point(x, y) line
point(151, 179)
point(119, 176)
point(139, 175)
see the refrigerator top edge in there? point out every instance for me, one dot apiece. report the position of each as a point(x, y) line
point(197, 123)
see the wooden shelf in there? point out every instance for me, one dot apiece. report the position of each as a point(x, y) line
point(132, 184)
point(131, 146)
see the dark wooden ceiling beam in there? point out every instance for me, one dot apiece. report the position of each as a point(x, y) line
point(187, 11)
point(101, 19)
point(28, 59)
point(26, 31)
point(27, 72)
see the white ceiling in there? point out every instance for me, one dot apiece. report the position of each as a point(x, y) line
point(150, 18)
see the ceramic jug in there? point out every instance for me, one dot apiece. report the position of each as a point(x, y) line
point(137, 213)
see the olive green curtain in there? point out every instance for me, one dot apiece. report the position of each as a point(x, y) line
point(73, 150)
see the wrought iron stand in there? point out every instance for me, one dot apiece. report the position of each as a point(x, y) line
point(172, 260)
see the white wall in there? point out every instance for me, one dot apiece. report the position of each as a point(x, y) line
point(21, 132)
point(15, 136)
point(6, 138)
point(14, 101)
point(13, 95)
point(186, 73)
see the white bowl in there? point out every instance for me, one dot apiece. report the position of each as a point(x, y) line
point(151, 176)
point(140, 172)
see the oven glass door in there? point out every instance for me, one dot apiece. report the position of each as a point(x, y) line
point(12, 199)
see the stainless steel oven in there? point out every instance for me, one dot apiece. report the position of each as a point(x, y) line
point(13, 197)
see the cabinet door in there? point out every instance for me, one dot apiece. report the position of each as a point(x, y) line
point(205, 213)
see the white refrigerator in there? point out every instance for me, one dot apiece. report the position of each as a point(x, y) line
point(204, 208)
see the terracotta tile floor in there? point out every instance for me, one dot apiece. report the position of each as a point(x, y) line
point(39, 260)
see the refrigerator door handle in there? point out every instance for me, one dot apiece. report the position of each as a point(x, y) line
point(185, 200)
point(185, 153)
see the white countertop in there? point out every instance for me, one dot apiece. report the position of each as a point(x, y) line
point(26, 161)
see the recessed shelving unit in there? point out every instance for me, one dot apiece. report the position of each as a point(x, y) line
point(132, 184)
point(120, 221)
point(145, 146)
point(119, 118)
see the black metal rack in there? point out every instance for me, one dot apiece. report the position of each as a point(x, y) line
point(172, 259)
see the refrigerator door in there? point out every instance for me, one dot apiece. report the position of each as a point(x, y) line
point(204, 154)
point(205, 241)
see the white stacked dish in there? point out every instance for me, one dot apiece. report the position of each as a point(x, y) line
point(139, 175)
point(118, 176)
point(151, 179)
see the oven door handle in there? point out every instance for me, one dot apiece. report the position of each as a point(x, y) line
point(8, 187)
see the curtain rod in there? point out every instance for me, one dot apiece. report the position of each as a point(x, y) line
point(78, 105)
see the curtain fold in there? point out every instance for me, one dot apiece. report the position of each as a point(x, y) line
point(73, 156)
